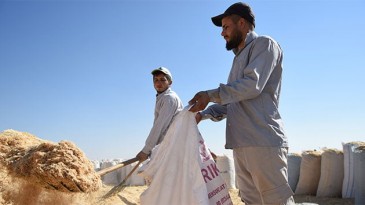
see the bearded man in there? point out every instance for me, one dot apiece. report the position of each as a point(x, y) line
point(249, 101)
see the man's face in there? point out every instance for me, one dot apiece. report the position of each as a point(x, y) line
point(160, 82)
point(231, 33)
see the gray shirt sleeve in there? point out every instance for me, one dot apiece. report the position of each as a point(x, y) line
point(264, 59)
point(255, 77)
point(214, 112)
point(166, 107)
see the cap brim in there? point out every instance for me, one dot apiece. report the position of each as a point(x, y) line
point(162, 71)
point(217, 20)
point(154, 71)
point(158, 70)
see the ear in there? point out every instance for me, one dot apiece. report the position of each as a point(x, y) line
point(242, 22)
point(170, 82)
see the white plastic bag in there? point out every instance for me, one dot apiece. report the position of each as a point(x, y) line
point(182, 170)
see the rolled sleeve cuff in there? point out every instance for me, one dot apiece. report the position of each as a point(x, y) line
point(146, 150)
point(214, 95)
point(205, 115)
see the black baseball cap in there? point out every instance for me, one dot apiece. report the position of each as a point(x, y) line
point(240, 9)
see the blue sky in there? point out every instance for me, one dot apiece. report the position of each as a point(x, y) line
point(80, 70)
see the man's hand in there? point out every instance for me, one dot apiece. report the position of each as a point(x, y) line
point(198, 117)
point(142, 156)
point(199, 101)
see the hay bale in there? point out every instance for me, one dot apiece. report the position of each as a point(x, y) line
point(310, 172)
point(58, 166)
point(330, 183)
point(12, 141)
point(294, 160)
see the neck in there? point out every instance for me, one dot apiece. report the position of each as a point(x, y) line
point(242, 45)
point(158, 92)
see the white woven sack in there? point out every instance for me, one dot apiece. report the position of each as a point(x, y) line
point(348, 185)
point(310, 172)
point(182, 171)
point(294, 161)
point(330, 183)
point(96, 164)
point(110, 178)
point(122, 174)
point(225, 166)
point(136, 179)
point(359, 161)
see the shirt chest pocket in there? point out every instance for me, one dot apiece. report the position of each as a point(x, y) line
point(239, 65)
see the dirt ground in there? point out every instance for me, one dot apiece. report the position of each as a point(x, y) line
point(20, 182)
point(130, 196)
point(17, 192)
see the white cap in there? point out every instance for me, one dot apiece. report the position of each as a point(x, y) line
point(164, 71)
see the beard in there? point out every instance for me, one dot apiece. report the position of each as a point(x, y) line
point(235, 41)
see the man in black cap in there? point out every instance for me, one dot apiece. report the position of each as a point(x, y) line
point(249, 101)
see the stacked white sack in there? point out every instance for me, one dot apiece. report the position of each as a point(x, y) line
point(348, 185)
point(117, 176)
point(96, 164)
point(134, 179)
point(359, 162)
point(310, 172)
point(110, 178)
point(225, 166)
point(294, 160)
point(330, 183)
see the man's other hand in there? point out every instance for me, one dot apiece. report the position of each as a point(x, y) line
point(199, 101)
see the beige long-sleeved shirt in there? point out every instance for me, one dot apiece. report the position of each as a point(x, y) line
point(168, 104)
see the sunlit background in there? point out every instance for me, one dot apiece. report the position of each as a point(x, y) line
point(80, 70)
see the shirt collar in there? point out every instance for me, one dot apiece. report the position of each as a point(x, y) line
point(166, 91)
point(252, 35)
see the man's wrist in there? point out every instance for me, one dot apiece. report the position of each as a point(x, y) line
point(213, 95)
point(146, 150)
